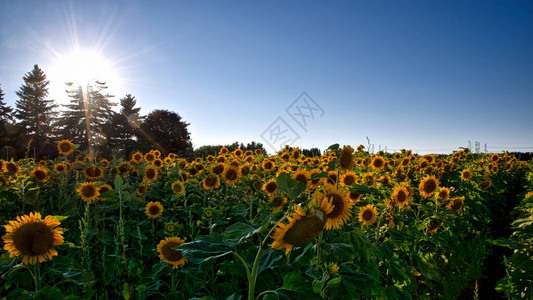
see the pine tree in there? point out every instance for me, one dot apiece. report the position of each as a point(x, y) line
point(123, 128)
point(84, 121)
point(35, 114)
point(5, 111)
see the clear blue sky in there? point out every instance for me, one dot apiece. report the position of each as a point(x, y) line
point(422, 75)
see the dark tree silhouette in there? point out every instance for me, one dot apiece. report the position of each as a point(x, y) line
point(84, 122)
point(35, 114)
point(6, 128)
point(123, 128)
point(167, 132)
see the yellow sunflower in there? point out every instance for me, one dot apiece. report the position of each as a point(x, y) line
point(271, 187)
point(268, 165)
point(88, 191)
point(369, 179)
point(11, 169)
point(218, 169)
point(348, 179)
point(485, 184)
point(149, 157)
point(210, 182)
point(168, 254)
point(342, 207)
point(466, 175)
point(153, 209)
point(377, 162)
point(141, 189)
point(178, 187)
point(33, 238)
point(428, 186)
point(401, 196)
point(368, 214)
point(65, 147)
point(302, 228)
point(231, 175)
point(40, 173)
point(223, 151)
point(354, 197)
point(150, 174)
point(4, 184)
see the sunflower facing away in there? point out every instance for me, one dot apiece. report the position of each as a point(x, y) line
point(302, 228)
point(428, 185)
point(368, 215)
point(88, 191)
point(153, 209)
point(65, 147)
point(168, 254)
point(33, 238)
point(342, 206)
point(346, 158)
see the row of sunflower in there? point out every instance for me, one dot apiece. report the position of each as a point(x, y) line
point(347, 224)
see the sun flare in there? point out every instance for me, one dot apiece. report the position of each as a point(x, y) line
point(82, 67)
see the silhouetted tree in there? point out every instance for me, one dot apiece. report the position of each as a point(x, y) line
point(206, 150)
point(6, 124)
point(123, 128)
point(84, 121)
point(167, 132)
point(35, 114)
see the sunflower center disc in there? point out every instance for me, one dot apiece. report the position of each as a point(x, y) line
point(306, 228)
point(33, 239)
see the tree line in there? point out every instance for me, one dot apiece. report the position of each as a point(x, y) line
point(34, 126)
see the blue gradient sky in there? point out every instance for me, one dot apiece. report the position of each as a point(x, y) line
point(422, 75)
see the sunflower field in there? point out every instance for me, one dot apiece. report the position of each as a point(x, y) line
point(348, 224)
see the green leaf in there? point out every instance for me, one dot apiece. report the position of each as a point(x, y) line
point(332, 165)
point(269, 258)
point(318, 176)
point(205, 249)
point(334, 147)
point(51, 292)
point(360, 189)
point(335, 281)
point(293, 281)
point(140, 288)
point(126, 291)
point(290, 186)
point(118, 182)
point(238, 232)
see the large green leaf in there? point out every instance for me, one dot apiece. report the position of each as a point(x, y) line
point(290, 186)
point(206, 248)
point(239, 232)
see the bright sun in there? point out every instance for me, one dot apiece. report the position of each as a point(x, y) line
point(81, 68)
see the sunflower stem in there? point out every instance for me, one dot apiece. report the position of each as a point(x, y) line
point(37, 276)
point(318, 249)
point(243, 263)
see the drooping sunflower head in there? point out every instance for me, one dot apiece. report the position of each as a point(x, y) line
point(368, 214)
point(342, 207)
point(153, 209)
point(33, 238)
point(88, 191)
point(428, 186)
point(178, 187)
point(377, 162)
point(277, 202)
point(466, 175)
point(456, 204)
point(150, 174)
point(231, 175)
point(302, 228)
point(369, 179)
point(444, 194)
point(166, 251)
point(65, 147)
point(346, 158)
point(210, 182)
point(301, 175)
point(93, 172)
point(11, 169)
point(40, 174)
point(102, 189)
